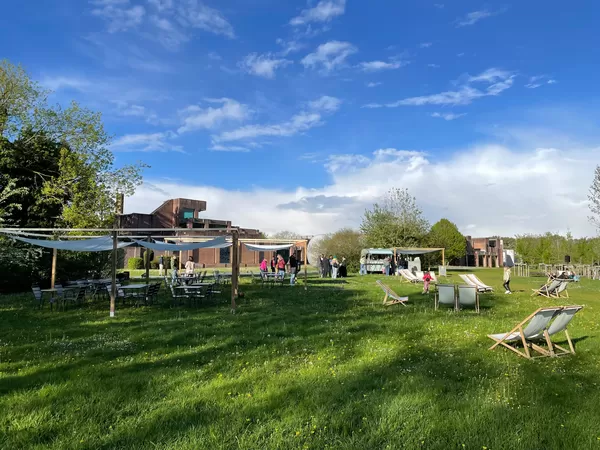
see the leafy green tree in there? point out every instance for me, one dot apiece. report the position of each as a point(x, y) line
point(62, 152)
point(285, 235)
point(8, 189)
point(397, 222)
point(445, 234)
point(345, 243)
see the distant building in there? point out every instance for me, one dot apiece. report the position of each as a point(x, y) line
point(484, 252)
point(184, 213)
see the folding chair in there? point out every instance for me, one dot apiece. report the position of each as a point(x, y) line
point(547, 290)
point(389, 293)
point(445, 295)
point(38, 296)
point(538, 324)
point(468, 296)
point(559, 324)
point(469, 282)
point(561, 290)
point(479, 283)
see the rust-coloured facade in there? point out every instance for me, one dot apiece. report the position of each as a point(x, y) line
point(183, 213)
point(484, 252)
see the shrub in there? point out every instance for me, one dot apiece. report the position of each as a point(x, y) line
point(135, 263)
point(154, 264)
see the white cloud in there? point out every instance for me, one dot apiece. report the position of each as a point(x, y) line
point(214, 56)
point(475, 16)
point(198, 15)
point(462, 185)
point(326, 103)
point(195, 117)
point(376, 66)
point(262, 65)
point(425, 44)
point(498, 81)
point(433, 66)
point(447, 116)
point(119, 14)
point(310, 117)
point(299, 123)
point(373, 84)
point(439, 5)
point(329, 56)
point(324, 11)
point(291, 46)
point(150, 142)
point(538, 81)
point(58, 83)
point(229, 148)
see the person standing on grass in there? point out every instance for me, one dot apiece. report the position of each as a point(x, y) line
point(190, 266)
point(161, 265)
point(335, 265)
point(363, 265)
point(386, 266)
point(273, 264)
point(280, 267)
point(293, 263)
point(330, 266)
point(507, 280)
point(426, 282)
point(263, 265)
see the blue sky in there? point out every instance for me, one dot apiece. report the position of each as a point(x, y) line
point(306, 112)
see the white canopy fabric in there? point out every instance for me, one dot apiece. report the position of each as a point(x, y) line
point(402, 251)
point(219, 242)
point(98, 244)
point(267, 248)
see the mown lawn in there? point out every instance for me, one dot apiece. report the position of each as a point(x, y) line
point(324, 368)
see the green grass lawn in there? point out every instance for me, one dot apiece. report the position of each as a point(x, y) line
point(327, 367)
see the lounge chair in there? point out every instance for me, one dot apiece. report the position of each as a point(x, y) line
point(561, 290)
point(445, 295)
point(470, 282)
point(408, 275)
point(468, 296)
point(547, 290)
point(480, 283)
point(538, 324)
point(389, 293)
point(559, 324)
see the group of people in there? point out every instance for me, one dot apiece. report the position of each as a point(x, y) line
point(332, 267)
point(278, 265)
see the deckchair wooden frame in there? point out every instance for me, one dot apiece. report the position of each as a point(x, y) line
point(545, 291)
point(553, 346)
point(408, 276)
point(526, 344)
point(390, 293)
point(470, 282)
point(558, 293)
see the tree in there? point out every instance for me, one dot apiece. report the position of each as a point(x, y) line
point(445, 234)
point(63, 153)
point(594, 197)
point(345, 243)
point(8, 189)
point(398, 222)
point(285, 235)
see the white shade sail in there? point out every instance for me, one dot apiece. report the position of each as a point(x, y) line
point(98, 244)
point(267, 248)
point(219, 242)
point(402, 251)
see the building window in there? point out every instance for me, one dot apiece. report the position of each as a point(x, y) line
point(261, 256)
point(188, 214)
point(225, 255)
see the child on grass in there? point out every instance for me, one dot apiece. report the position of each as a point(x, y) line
point(426, 281)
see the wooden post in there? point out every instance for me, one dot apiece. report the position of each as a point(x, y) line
point(234, 269)
point(113, 289)
point(305, 265)
point(148, 263)
point(53, 276)
point(443, 257)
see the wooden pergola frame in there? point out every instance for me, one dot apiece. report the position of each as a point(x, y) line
point(424, 250)
point(125, 233)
